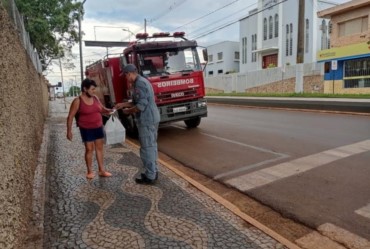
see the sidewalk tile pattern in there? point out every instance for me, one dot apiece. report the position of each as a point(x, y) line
point(115, 212)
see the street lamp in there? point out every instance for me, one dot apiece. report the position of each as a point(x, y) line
point(80, 41)
point(128, 30)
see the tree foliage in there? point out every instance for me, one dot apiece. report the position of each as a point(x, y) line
point(74, 91)
point(52, 25)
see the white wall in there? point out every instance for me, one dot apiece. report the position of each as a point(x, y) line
point(239, 82)
point(228, 62)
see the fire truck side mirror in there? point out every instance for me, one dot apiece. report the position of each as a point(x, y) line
point(205, 54)
point(59, 84)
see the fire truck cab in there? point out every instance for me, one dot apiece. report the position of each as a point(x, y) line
point(172, 65)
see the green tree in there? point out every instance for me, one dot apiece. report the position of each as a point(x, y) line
point(52, 25)
point(74, 91)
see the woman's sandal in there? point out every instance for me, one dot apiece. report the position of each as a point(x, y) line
point(90, 176)
point(105, 174)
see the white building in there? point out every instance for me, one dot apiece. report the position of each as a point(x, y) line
point(283, 32)
point(223, 58)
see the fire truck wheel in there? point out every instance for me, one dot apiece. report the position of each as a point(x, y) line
point(192, 123)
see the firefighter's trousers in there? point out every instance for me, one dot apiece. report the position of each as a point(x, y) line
point(148, 148)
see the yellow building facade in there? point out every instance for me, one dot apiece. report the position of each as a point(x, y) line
point(347, 62)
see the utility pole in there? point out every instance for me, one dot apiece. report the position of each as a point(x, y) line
point(301, 31)
point(144, 25)
point(61, 76)
point(80, 41)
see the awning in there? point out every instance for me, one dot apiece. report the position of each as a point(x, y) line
point(266, 50)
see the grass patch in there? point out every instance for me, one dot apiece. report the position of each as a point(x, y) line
point(299, 95)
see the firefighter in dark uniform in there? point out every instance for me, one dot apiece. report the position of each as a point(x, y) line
point(147, 121)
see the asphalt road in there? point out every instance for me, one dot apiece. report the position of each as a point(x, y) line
point(312, 167)
point(322, 104)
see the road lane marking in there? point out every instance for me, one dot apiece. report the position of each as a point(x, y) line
point(239, 170)
point(279, 156)
point(297, 166)
point(243, 144)
point(364, 211)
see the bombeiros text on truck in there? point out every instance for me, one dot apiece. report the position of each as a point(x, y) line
point(171, 64)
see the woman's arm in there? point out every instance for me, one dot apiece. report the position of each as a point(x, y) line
point(104, 110)
point(75, 106)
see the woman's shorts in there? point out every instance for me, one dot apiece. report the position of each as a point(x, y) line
point(90, 135)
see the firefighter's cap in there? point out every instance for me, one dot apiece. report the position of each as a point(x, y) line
point(129, 68)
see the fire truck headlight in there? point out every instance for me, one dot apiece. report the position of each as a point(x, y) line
point(202, 104)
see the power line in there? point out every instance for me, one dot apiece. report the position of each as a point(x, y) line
point(233, 22)
point(172, 7)
point(209, 13)
point(223, 19)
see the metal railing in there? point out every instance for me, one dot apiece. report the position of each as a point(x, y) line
point(17, 19)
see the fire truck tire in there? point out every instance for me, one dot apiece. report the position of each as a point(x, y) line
point(192, 123)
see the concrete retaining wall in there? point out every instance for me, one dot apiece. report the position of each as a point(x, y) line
point(297, 78)
point(24, 107)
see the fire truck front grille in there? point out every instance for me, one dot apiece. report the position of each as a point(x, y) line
point(177, 95)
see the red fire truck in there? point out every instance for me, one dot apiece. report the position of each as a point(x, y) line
point(172, 65)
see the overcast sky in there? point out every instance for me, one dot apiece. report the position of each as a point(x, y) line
point(207, 21)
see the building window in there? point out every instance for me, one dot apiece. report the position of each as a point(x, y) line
point(210, 73)
point(210, 57)
point(276, 25)
point(244, 50)
point(355, 26)
point(291, 40)
point(307, 35)
point(357, 83)
point(236, 55)
point(254, 47)
point(270, 27)
point(219, 56)
point(265, 29)
point(357, 68)
point(357, 73)
point(287, 41)
point(220, 71)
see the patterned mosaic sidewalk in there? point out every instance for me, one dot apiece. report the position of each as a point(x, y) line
point(117, 213)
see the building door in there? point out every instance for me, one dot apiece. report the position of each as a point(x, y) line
point(268, 60)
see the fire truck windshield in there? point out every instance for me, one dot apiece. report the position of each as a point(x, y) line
point(165, 62)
